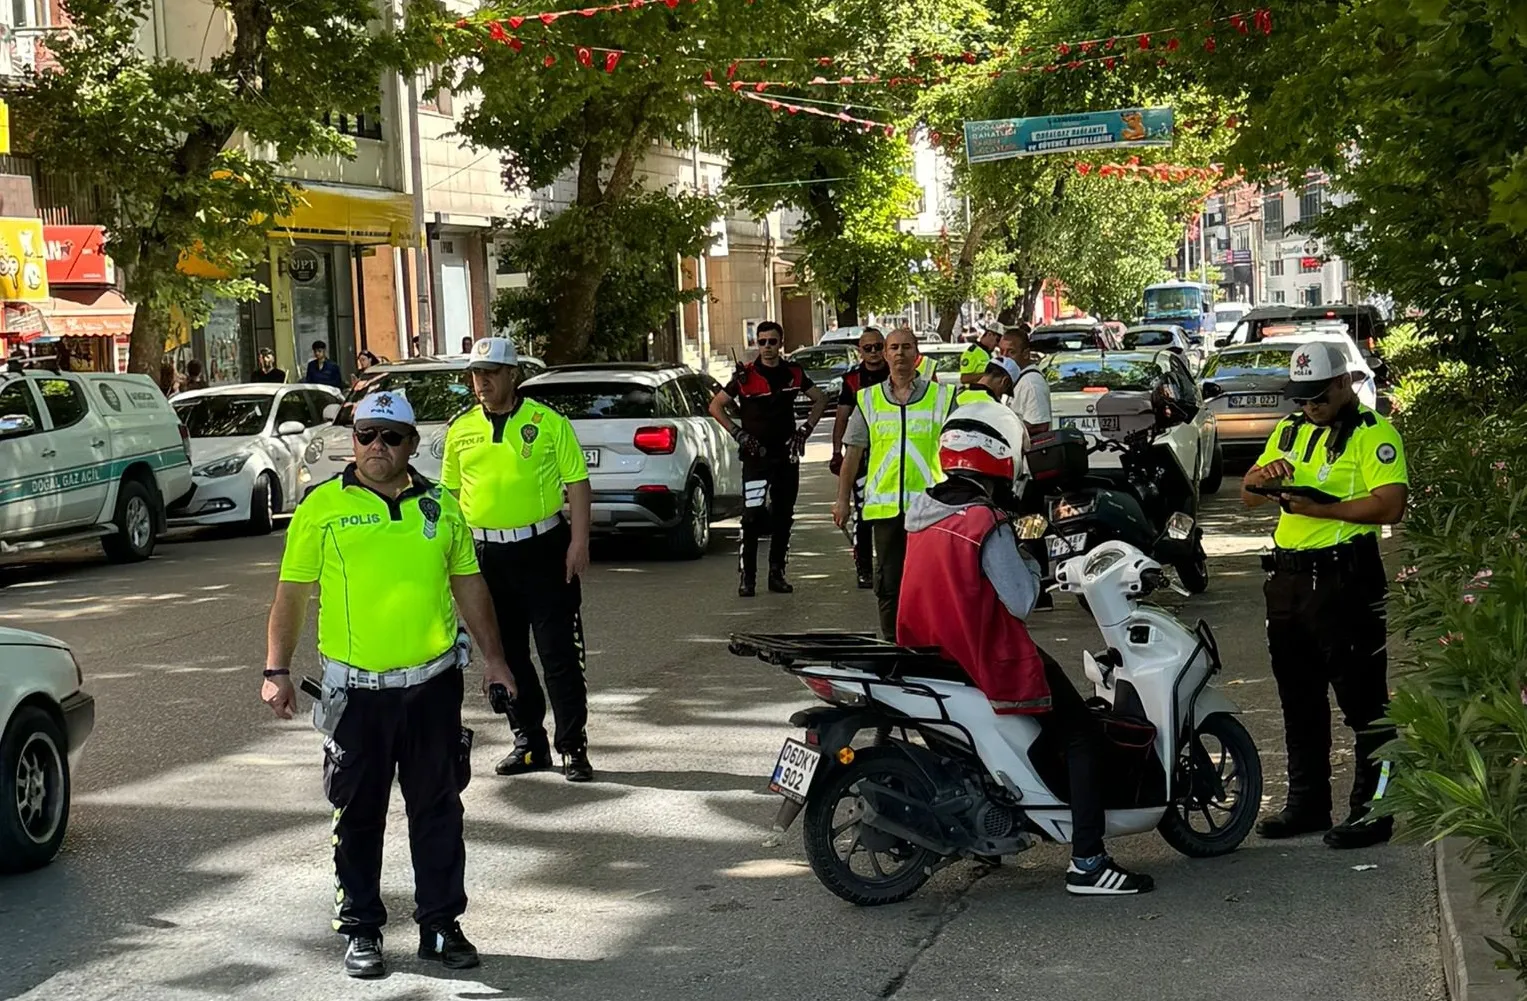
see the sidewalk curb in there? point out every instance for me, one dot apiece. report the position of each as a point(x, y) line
point(1468, 962)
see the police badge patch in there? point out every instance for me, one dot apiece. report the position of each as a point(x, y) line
point(1386, 453)
point(529, 433)
point(430, 508)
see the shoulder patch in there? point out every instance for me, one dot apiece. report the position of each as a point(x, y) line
point(1386, 453)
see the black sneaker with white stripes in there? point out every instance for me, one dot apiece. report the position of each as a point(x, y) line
point(1106, 879)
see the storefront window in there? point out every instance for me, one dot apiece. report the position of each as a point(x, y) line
point(224, 360)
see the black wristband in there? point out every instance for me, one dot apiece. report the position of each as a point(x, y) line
point(279, 672)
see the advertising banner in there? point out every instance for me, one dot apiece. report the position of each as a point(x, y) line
point(23, 260)
point(1123, 129)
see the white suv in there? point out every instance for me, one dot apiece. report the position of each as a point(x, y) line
point(88, 455)
point(658, 462)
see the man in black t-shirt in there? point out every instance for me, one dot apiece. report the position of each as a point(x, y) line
point(771, 446)
point(871, 369)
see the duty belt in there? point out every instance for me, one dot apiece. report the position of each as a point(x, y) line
point(517, 534)
point(337, 674)
point(1345, 556)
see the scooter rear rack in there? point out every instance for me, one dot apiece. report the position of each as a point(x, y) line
point(862, 651)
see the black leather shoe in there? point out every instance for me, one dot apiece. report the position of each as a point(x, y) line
point(523, 760)
point(576, 767)
point(778, 584)
point(445, 944)
point(1357, 831)
point(1288, 823)
point(363, 957)
point(866, 581)
point(746, 587)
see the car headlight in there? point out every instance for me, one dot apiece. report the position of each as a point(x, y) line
point(314, 451)
point(226, 466)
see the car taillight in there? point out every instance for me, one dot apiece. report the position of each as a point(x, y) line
point(660, 440)
point(1094, 389)
point(185, 437)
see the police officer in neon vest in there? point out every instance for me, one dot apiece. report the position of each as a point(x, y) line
point(974, 361)
point(897, 424)
point(1344, 467)
point(510, 461)
point(388, 551)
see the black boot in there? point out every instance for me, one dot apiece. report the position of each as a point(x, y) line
point(525, 758)
point(1290, 823)
point(363, 957)
point(444, 943)
point(746, 585)
point(777, 582)
point(747, 565)
point(576, 767)
point(1360, 831)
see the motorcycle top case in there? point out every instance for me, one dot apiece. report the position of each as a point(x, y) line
point(1058, 456)
point(1134, 412)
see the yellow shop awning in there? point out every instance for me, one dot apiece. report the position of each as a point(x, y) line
point(345, 214)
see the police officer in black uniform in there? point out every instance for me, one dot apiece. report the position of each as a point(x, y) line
point(1337, 469)
point(771, 445)
point(872, 369)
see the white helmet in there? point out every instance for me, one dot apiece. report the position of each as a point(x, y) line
point(985, 438)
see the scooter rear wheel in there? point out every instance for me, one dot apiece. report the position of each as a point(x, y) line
point(864, 866)
point(1218, 790)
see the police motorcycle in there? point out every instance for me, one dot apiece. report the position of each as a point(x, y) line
point(956, 780)
point(1150, 501)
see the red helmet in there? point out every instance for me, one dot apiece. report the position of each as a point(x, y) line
point(984, 438)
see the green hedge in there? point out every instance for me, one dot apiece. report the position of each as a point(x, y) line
point(1459, 617)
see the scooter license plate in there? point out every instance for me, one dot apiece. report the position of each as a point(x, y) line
point(1066, 545)
point(793, 771)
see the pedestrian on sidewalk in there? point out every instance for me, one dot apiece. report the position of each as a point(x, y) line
point(510, 460)
point(871, 370)
point(771, 446)
point(388, 552)
point(1326, 589)
point(322, 370)
point(895, 428)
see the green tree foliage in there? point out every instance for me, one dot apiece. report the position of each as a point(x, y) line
point(161, 137)
point(639, 290)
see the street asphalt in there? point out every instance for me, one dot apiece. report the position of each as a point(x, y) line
point(197, 862)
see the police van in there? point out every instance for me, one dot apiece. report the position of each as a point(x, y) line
point(88, 455)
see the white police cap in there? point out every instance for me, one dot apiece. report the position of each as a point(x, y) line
point(1312, 367)
point(385, 407)
point(493, 351)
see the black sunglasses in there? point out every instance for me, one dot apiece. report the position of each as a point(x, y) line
point(873, 349)
point(1314, 401)
point(768, 342)
point(392, 439)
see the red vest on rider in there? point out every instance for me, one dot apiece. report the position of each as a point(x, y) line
point(947, 602)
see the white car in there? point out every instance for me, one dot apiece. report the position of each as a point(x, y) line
point(946, 360)
point(1078, 379)
point(438, 389)
point(247, 442)
point(1227, 315)
point(88, 455)
point(1367, 391)
point(658, 462)
point(45, 716)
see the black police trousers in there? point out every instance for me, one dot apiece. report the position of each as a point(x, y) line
point(890, 535)
point(1327, 627)
point(415, 733)
point(777, 483)
point(532, 596)
point(864, 534)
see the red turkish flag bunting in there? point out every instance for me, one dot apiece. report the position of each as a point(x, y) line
point(1173, 45)
point(611, 60)
point(549, 61)
point(548, 17)
point(515, 22)
point(496, 32)
point(515, 43)
point(1209, 44)
point(760, 86)
point(584, 56)
point(1145, 41)
point(1084, 169)
point(731, 71)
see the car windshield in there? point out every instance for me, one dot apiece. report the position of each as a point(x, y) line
point(1235, 364)
point(224, 416)
point(945, 361)
point(1075, 340)
point(1076, 375)
point(1172, 301)
point(1148, 339)
point(436, 394)
point(820, 359)
point(1230, 315)
point(593, 400)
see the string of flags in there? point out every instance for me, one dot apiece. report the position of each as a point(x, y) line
point(864, 124)
point(1133, 169)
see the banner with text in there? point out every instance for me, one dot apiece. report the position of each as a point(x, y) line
point(1010, 137)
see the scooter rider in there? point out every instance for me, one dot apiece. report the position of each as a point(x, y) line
point(967, 590)
point(771, 446)
point(871, 370)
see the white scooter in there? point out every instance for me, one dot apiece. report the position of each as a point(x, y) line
point(961, 781)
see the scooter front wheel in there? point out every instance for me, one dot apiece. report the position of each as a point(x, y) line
point(1217, 791)
point(860, 864)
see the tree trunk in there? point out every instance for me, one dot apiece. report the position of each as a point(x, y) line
point(576, 299)
point(847, 303)
point(965, 267)
point(145, 351)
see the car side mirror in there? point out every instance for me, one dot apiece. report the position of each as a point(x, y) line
point(287, 428)
point(16, 425)
point(1211, 390)
point(330, 412)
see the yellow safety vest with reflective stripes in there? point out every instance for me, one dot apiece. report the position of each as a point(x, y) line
point(925, 367)
point(903, 453)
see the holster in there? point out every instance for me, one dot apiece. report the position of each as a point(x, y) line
point(328, 709)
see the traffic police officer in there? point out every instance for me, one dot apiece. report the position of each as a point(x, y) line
point(897, 424)
point(994, 385)
point(388, 550)
point(509, 462)
point(870, 371)
point(771, 446)
point(1326, 591)
point(976, 357)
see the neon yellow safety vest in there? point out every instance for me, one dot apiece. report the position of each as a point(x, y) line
point(903, 455)
point(973, 394)
point(925, 367)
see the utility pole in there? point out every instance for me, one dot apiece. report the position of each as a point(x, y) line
point(1203, 242)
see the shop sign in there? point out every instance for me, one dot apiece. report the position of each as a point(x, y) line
point(23, 263)
point(305, 266)
point(1310, 263)
point(77, 256)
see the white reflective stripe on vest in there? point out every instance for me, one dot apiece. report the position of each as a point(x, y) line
point(903, 447)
